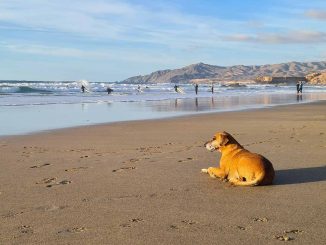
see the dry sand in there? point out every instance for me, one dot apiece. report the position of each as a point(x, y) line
point(140, 182)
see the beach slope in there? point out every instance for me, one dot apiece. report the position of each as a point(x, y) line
point(140, 182)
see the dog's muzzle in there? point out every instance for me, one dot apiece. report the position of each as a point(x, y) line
point(210, 147)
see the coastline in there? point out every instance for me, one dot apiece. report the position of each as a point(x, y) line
point(139, 182)
point(26, 119)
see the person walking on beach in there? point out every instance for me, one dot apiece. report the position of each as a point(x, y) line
point(83, 88)
point(212, 88)
point(196, 88)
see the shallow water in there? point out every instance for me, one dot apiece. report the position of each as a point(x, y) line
point(29, 118)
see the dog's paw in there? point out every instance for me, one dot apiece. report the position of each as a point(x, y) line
point(204, 170)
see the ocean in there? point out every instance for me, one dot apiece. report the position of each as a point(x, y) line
point(33, 106)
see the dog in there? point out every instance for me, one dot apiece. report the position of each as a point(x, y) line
point(238, 165)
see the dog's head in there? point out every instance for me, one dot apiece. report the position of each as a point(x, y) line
point(219, 140)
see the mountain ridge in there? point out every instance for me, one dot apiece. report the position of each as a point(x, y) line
point(201, 71)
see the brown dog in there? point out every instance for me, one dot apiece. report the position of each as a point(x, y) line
point(238, 165)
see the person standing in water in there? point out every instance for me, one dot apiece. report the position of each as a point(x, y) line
point(212, 88)
point(196, 88)
point(83, 88)
point(300, 87)
point(176, 88)
point(109, 90)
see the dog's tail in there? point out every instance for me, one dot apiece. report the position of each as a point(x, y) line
point(258, 180)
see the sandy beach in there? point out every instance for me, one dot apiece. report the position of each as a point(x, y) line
point(140, 182)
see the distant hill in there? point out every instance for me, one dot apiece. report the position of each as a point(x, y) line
point(210, 73)
point(317, 78)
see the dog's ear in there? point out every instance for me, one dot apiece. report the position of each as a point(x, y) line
point(224, 138)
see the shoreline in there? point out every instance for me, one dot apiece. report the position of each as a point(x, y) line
point(140, 183)
point(156, 110)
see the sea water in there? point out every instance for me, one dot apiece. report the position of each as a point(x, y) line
point(27, 106)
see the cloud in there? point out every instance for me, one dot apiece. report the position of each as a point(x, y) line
point(50, 51)
point(316, 14)
point(293, 37)
point(114, 54)
point(115, 21)
point(146, 29)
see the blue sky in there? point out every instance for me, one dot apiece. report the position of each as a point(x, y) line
point(110, 40)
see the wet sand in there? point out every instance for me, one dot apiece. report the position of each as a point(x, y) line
point(140, 182)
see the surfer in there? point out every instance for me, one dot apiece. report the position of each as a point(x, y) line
point(109, 90)
point(300, 86)
point(83, 88)
point(176, 88)
point(196, 88)
point(139, 90)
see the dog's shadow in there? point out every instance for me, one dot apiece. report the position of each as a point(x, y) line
point(300, 175)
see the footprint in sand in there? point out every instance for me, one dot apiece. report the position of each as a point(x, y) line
point(47, 180)
point(186, 160)
point(264, 219)
point(189, 222)
point(174, 227)
point(63, 182)
point(75, 169)
point(52, 182)
point(123, 169)
point(150, 149)
point(125, 225)
point(26, 229)
point(72, 230)
point(136, 196)
point(134, 160)
point(41, 165)
point(286, 237)
point(241, 227)
point(293, 232)
point(50, 208)
point(134, 220)
point(11, 214)
point(185, 224)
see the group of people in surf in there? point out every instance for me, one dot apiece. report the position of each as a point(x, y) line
point(196, 88)
point(299, 87)
point(108, 90)
point(176, 88)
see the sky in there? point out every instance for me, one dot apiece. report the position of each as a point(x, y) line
point(111, 40)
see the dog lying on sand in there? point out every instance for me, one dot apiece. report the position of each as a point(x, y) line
point(238, 165)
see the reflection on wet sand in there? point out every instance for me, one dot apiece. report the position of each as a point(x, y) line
point(299, 97)
point(53, 116)
point(223, 103)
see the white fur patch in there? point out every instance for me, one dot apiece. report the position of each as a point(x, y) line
point(210, 147)
point(204, 170)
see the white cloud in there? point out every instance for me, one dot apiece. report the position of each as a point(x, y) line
point(293, 37)
point(114, 54)
point(114, 21)
point(316, 14)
